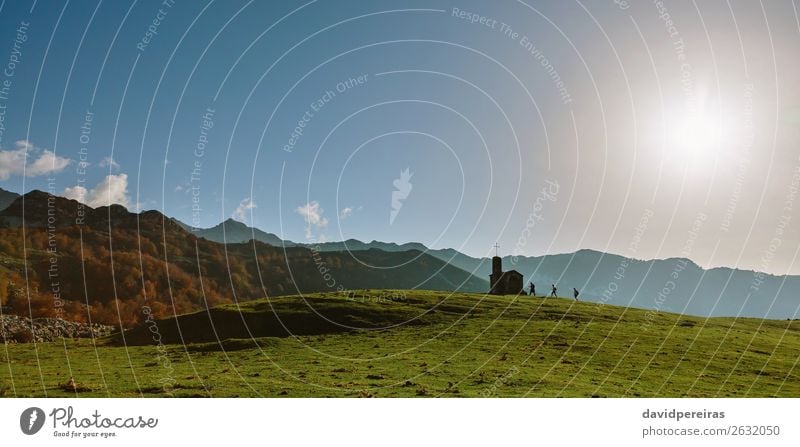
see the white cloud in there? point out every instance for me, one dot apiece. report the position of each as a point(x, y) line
point(312, 213)
point(108, 161)
point(113, 189)
point(47, 163)
point(11, 163)
point(345, 213)
point(240, 213)
point(75, 193)
point(14, 161)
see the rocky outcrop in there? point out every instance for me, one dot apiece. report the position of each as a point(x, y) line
point(15, 329)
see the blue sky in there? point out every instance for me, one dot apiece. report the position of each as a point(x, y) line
point(557, 132)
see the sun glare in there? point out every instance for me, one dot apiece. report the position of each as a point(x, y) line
point(697, 135)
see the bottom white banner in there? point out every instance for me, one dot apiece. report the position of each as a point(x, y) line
point(390, 422)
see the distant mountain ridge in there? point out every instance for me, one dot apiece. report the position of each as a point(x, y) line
point(614, 279)
point(234, 232)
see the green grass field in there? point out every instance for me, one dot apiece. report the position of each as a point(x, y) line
point(432, 344)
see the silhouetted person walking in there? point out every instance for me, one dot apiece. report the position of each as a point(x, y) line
point(533, 289)
point(576, 293)
point(553, 292)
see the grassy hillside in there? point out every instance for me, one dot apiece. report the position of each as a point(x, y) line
point(418, 343)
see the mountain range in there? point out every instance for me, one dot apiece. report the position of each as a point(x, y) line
point(6, 198)
point(227, 256)
point(71, 260)
point(673, 285)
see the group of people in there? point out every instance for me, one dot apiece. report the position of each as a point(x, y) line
point(553, 291)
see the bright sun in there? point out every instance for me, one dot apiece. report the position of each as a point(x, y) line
point(697, 135)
